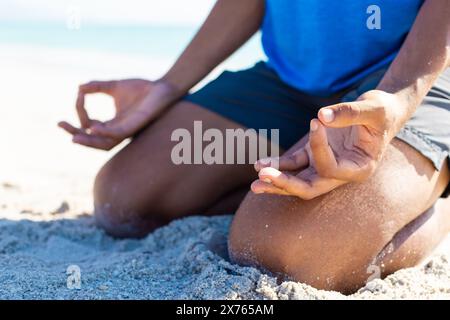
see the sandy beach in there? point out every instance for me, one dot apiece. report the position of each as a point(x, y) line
point(45, 206)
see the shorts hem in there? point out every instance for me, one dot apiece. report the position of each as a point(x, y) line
point(427, 148)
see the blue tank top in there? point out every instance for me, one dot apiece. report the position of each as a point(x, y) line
point(323, 46)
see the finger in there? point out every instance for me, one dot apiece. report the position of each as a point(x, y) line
point(349, 114)
point(322, 154)
point(94, 141)
point(81, 111)
point(81, 137)
point(87, 88)
point(313, 187)
point(266, 162)
point(98, 87)
point(259, 187)
point(327, 166)
point(320, 186)
point(289, 162)
point(289, 183)
point(107, 129)
point(69, 128)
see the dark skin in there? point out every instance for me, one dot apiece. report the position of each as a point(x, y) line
point(339, 198)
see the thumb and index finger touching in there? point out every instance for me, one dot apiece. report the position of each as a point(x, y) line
point(88, 88)
point(334, 116)
point(82, 135)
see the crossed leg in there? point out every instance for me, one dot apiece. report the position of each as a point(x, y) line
point(141, 189)
point(328, 242)
point(338, 240)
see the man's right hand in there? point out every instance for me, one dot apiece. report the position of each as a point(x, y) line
point(137, 103)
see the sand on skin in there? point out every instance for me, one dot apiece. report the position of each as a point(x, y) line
point(45, 206)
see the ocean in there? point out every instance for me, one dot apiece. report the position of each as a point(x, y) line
point(162, 42)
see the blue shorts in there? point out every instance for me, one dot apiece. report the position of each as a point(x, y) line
point(257, 98)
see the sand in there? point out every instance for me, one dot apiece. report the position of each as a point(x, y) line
point(184, 260)
point(45, 210)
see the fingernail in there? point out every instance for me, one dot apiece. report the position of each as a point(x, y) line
point(255, 190)
point(327, 115)
point(270, 172)
point(267, 180)
point(313, 125)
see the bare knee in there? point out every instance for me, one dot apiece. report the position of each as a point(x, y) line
point(286, 253)
point(331, 242)
point(124, 223)
point(324, 242)
point(321, 266)
point(121, 209)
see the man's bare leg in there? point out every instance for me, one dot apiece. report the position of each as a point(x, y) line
point(140, 188)
point(411, 244)
point(330, 241)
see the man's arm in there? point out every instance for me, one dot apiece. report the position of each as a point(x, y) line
point(425, 54)
point(229, 25)
point(138, 102)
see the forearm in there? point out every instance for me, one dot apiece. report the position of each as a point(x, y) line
point(424, 55)
point(229, 25)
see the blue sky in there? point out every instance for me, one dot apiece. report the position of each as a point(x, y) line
point(166, 12)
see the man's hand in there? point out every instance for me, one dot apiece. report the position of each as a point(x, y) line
point(346, 144)
point(137, 102)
